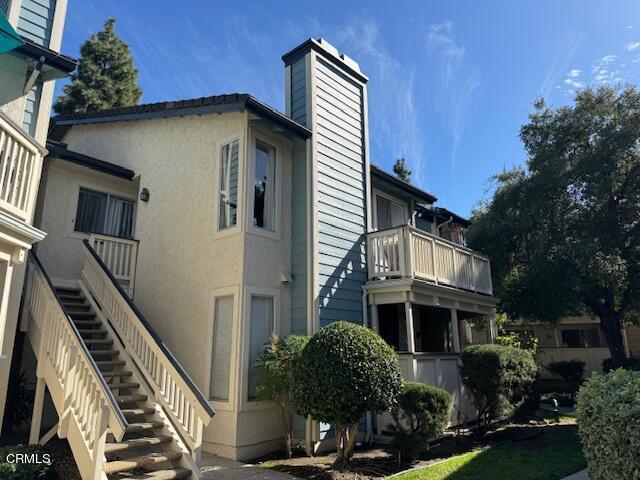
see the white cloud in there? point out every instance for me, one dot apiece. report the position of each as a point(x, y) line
point(631, 46)
point(576, 72)
point(458, 81)
point(574, 84)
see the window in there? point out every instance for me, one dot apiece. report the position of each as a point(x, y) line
point(587, 338)
point(432, 328)
point(221, 357)
point(99, 212)
point(228, 208)
point(389, 214)
point(260, 329)
point(264, 196)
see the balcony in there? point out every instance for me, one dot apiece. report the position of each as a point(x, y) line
point(20, 166)
point(406, 252)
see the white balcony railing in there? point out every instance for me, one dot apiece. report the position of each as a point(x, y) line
point(119, 255)
point(409, 252)
point(20, 167)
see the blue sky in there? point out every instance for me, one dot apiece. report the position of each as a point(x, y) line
point(450, 82)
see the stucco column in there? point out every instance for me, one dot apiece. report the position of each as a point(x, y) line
point(455, 330)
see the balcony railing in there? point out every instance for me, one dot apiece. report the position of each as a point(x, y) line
point(120, 256)
point(409, 252)
point(20, 167)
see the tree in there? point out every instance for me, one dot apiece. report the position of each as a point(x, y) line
point(346, 370)
point(280, 359)
point(401, 170)
point(106, 76)
point(563, 232)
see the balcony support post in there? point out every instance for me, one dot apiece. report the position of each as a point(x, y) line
point(455, 331)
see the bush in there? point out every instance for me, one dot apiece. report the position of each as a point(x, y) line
point(38, 466)
point(632, 363)
point(499, 378)
point(571, 371)
point(346, 370)
point(522, 340)
point(280, 359)
point(608, 415)
point(422, 413)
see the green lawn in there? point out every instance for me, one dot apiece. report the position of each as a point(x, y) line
point(551, 455)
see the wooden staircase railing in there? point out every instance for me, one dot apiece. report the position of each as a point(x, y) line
point(184, 403)
point(86, 407)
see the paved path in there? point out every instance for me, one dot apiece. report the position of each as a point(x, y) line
point(218, 468)
point(581, 475)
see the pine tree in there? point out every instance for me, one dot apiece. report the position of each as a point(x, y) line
point(106, 76)
point(401, 170)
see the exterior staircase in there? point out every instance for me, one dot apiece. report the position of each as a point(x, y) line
point(127, 408)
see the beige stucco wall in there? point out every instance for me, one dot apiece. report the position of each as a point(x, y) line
point(183, 262)
point(13, 72)
point(62, 251)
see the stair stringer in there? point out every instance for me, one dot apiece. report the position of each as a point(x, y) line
point(178, 445)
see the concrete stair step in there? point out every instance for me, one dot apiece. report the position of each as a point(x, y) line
point(134, 443)
point(77, 315)
point(92, 331)
point(143, 461)
point(122, 385)
point(98, 341)
point(170, 474)
point(136, 397)
point(104, 353)
point(141, 426)
point(134, 412)
point(110, 363)
point(87, 323)
point(122, 373)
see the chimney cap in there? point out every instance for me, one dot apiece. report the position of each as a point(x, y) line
point(329, 52)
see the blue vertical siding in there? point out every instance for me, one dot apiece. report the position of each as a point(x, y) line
point(36, 19)
point(341, 194)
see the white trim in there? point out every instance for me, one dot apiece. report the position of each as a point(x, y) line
point(251, 291)
point(233, 292)
point(237, 228)
point(29, 233)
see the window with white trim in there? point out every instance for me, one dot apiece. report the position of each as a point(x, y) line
point(221, 356)
point(264, 195)
point(99, 212)
point(261, 327)
point(228, 204)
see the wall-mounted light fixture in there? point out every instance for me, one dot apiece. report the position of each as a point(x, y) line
point(144, 195)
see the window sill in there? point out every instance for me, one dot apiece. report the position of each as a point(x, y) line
point(261, 232)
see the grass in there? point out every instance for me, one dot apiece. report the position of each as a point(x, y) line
point(553, 454)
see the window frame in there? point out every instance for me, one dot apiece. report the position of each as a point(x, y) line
point(229, 404)
point(374, 207)
point(73, 233)
point(245, 403)
point(218, 191)
point(256, 136)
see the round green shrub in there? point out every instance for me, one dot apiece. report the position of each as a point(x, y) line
point(346, 370)
point(571, 371)
point(500, 378)
point(422, 413)
point(608, 416)
point(36, 463)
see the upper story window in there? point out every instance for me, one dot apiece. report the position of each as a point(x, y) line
point(389, 213)
point(228, 204)
point(99, 212)
point(264, 195)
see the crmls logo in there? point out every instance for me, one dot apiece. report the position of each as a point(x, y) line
point(39, 458)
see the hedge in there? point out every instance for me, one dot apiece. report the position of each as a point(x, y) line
point(608, 416)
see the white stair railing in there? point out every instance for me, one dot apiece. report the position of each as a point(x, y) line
point(119, 255)
point(85, 405)
point(185, 405)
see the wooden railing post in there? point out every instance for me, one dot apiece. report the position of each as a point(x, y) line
point(100, 439)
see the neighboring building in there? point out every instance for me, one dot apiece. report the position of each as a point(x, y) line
point(203, 226)
point(574, 338)
point(30, 36)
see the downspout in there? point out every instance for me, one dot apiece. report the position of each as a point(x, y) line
point(368, 438)
point(438, 227)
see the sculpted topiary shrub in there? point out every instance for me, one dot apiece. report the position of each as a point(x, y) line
point(499, 377)
point(346, 370)
point(422, 413)
point(608, 415)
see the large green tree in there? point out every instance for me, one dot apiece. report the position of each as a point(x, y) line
point(106, 76)
point(563, 231)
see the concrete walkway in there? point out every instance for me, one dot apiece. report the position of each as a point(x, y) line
point(218, 468)
point(581, 475)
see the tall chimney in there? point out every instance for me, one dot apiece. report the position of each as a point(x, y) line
point(327, 92)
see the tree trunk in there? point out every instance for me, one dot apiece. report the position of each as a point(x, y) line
point(287, 420)
point(611, 325)
point(345, 442)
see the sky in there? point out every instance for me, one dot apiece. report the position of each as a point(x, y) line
point(450, 83)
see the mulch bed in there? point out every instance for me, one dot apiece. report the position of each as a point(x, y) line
point(380, 462)
point(63, 462)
